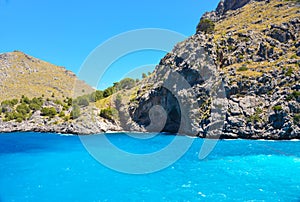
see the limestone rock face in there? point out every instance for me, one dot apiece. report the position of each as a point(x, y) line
point(227, 5)
point(180, 86)
point(234, 4)
point(254, 67)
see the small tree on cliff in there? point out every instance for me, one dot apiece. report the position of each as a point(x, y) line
point(75, 113)
point(207, 26)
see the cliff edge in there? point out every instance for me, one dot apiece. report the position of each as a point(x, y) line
point(251, 51)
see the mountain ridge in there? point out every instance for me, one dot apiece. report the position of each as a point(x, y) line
point(22, 74)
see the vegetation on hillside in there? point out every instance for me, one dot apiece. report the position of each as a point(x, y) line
point(68, 108)
point(207, 26)
point(109, 113)
point(257, 21)
point(24, 108)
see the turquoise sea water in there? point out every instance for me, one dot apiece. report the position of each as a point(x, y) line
point(48, 167)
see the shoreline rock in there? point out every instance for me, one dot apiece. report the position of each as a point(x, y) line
point(225, 136)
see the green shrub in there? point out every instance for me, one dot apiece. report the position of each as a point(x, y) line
point(242, 68)
point(92, 97)
point(289, 72)
point(23, 109)
point(256, 116)
point(10, 103)
point(75, 113)
point(61, 114)
point(95, 96)
point(108, 92)
point(48, 111)
point(258, 111)
point(68, 101)
point(58, 102)
point(99, 95)
point(297, 119)
point(126, 83)
point(38, 101)
point(25, 100)
point(82, 101)
point(4, 109)
point(231, 48)
point(293, 95)
point(29, 115)
point(144, 75)
point(108, 113)
point(244, 39)
point(10, 116)
point(14, 102)
point(66, 107)
point(35, 107)
point(277, 108)
point(207, 26)
point(66, 118)
point(19, 120)
point(241, 57)
point(296, 94)
point(289, 97)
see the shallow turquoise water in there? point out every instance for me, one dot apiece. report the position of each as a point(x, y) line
point(48, 167)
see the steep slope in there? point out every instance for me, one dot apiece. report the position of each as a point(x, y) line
point(21, 74)
point(37, 96)
point(258, 50)
point(238, 76)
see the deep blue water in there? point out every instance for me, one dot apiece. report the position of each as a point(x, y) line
point(48, 167)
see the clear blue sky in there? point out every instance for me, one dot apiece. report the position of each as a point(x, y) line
point(64, 32)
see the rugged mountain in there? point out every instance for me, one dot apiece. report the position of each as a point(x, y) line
point(237, 77)
point(21, 74)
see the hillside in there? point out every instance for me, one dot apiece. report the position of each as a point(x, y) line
point(21, 74)
point(38, 96)
point(237, 77)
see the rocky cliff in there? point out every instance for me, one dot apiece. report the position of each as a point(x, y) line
point(240, 81)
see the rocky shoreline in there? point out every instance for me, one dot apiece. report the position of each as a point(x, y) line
point(64, 128)
point(71, 129)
